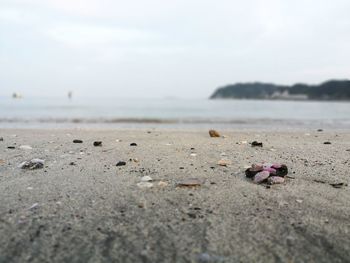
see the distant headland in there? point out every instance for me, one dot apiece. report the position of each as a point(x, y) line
point(329, 90)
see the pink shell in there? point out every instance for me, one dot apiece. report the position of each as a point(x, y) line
point(260, 177)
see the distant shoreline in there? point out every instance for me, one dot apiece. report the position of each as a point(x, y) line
point(332, 90)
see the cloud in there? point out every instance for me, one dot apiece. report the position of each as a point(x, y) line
point(78, 36)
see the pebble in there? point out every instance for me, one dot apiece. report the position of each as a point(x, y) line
point(145, 185)
point(146, 179)
point(77, 141)
point(257, 144)
point(224, 162)
point(1, 139)
point(35, 205)
point(11, 147)
point(193, 154)
point(97, 143)
point(25, 147)
point(32, 164)
point(190, 182)
point(214, 133)
point(299, 201)
point(261, 176)
point(327, 143)
point(133, 144)
point(121, 163)
point(275, 180)
point(162, 184)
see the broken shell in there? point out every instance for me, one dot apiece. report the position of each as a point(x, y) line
point(261, 176)
point(275, 180)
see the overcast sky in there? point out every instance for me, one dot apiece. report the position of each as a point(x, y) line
point(161, 48)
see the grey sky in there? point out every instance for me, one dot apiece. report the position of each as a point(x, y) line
point(158, 48)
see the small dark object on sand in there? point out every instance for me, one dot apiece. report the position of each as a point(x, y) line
point(72, 163)
point(262, 172)
point(97, 143)
point(1, 139)
point(77, 141)
point(133, 144)
point(320, 130)
point(257, 144)
point(338, 185)
point(32, 164)
point(190, 182)
point(327, 143)
point(214, 133)
point(11, 147)
point(121, 163)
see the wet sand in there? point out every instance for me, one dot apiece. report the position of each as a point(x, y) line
point(81, 207)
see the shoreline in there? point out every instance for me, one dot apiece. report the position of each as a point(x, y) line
point(82, 207)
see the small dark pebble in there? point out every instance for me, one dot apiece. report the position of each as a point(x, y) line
point(97, 143)
point(192, 215)
point(182, 168)
point(338, 185)
point(192, 149)
point(11, 147)
point(1, 139)
point(319, 181)
point(121, 163)
point(320, 130)
point(327, 143)
point(77, 141)
point(257, 144)
point(133, 144)
point(268, 186)
point(72, 163)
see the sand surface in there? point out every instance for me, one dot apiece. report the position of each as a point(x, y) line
point(81, 207)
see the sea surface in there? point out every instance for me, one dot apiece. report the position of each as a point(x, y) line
point(171, 113)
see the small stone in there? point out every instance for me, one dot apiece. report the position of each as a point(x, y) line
point(133, 144)
point(257, 144)
point(32, 164)
point(275, 180)
point(1, 139)
point(25, 147)
point(338, 185)
point(193, 154)
point(11, 147)
point(299, 201)
point(224, 162)
point(33, 206)
point(320, 130)
point(121, 163)
point(214, 134)
point(72, 163)
point(327, 143)
point(97, 143)
point(162, 184)
point(146, 178)
point(77, 141)
point(190, 182)
point(145, 185)
point(261, 177)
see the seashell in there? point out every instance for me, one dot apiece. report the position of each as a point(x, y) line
point(261, 177)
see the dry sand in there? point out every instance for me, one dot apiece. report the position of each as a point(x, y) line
point(93, 211)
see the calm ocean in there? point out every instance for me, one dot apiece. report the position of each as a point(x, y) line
point(172, 113)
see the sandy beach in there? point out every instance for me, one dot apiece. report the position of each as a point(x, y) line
point(81, 207)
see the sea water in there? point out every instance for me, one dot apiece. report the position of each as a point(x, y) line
point(173, 113)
